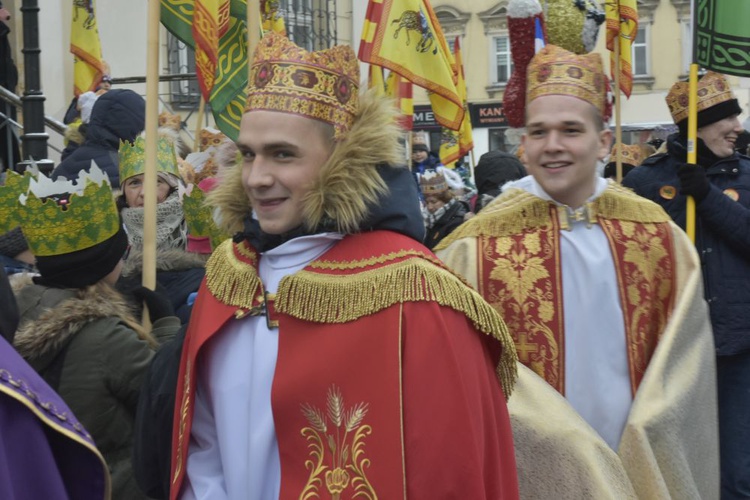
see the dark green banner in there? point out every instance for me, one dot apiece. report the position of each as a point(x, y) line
point(722, 36)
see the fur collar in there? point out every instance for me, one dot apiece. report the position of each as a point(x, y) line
point(54, 326)
point(349, 183)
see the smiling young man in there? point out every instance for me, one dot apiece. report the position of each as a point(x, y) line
point(327, 343)
point(720, 185)
point(615, 396)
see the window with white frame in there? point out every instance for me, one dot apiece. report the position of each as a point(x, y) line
point(502, 64)
point(639, 53)
point(687, 45)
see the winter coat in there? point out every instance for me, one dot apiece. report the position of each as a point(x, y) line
point(119, 114)
point(722, 232)
point(76, 340)
point(450, 220)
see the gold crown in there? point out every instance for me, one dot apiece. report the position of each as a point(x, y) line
point(432, 183)
point(60, 217)
point(198, 216)
point(631, 154)
point(555, 71)
point(15, 185)
point(713, 89)
point(209, 137)
point(321, 85)
point(133, 158)
point(170, 121)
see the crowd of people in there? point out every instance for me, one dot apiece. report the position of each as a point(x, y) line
point(566, 339)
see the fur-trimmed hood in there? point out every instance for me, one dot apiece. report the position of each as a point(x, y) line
point(51, 316)
point(359, 180)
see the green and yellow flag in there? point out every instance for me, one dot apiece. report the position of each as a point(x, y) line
point(88, 68)
point(722, 36)
point(405, 36)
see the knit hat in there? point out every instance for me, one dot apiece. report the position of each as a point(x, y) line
point(420, 146)
point(716, 101)
point(555, 71)
point(321, 85)
point(495, 169)
point(73, 229)
point(12, 243)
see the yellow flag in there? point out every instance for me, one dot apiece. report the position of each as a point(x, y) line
point(88, 68)
point(375, 79)
point(405, 36)
point(272, 20)
point(454, 145)
point(622, 23)
point(400, 89)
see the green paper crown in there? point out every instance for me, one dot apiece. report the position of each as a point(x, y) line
point(199, 219)
point(88, 218)
point(133, 158)
point(15, 185)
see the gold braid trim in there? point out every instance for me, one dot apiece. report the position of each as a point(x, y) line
point(326, 298)
point(230, 280)
point(517, 210)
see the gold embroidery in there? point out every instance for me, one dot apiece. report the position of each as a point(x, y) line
point(184, 409)
point(323, 298)
point(232, 281)
point(357, 264)
point(346, 465)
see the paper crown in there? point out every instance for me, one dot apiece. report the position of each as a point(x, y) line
point(15, 185)
point(713, 89)
point(60, 217)
point(631, 154)
point(555, 71)
point(320, 85)
point(170, 121)
point(198, 215)
point(432, 183)
point(133, 158)
point(209, 137)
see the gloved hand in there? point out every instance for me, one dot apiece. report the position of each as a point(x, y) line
point(159, 306)
point(693, 181)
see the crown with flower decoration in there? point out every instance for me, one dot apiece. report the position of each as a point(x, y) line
point(713, 89)
point(198, 215)
point(556, 71)
point(432, 183)
point(62, 216)
point(15, 185)
point(170, 121)
point(321, 85)
point(133, 158)
point(209, 137)
point(632, 154)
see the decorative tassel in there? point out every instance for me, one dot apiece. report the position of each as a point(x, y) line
point(230, 280)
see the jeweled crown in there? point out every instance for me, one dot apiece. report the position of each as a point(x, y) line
point(713, 89)
point(322, 85)
point(631, 154)
point(133, 158)
point(432, 183)
point(60, 217)
point(556, 71)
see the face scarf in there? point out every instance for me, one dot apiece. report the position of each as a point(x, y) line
point(171, 231)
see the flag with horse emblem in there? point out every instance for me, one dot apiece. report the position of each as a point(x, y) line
point(88, 67)
point(405, 36)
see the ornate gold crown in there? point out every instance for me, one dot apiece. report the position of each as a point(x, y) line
point(321, 85)
point(210, 137)
point(432, 183)
point(631, 154)
point(170, 121)
point(713, 89)
point(59, 217)
point(555, 71)
point(15, 185)
point(133, 158)
point(198, 216)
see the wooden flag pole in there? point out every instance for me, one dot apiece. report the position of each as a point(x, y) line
point(152, 126)
point(253, 33)
point(618, 120)
point(692, 152)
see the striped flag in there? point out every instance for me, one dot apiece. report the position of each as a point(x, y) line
point(622, 23)
point(375, 79)
point(401, 89)
point(405, 37)
point(454, 145)
point(88, 67)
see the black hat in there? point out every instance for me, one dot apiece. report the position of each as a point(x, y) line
point(419, 146)
point(82, 268)
point(495, 169)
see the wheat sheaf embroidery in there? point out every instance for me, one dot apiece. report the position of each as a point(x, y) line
point(336, 438)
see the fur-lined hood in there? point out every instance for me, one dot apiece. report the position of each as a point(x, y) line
point(351, 182)
point(51, 316)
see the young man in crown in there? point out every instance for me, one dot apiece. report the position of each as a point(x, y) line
point(720, 185)
point(601, 292)
point(329, 353)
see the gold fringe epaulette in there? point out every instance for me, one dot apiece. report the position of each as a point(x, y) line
point(231, 280)
point(328, 298)
point(517, 210)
